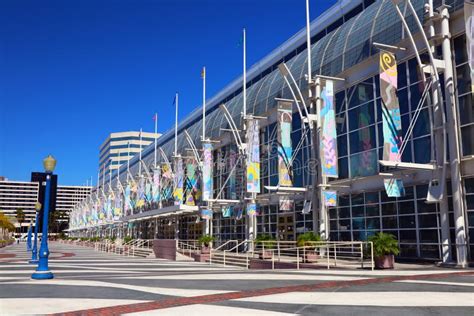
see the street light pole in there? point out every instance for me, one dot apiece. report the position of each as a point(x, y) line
point(34, 252)
point(42, 272)
point(28, 239)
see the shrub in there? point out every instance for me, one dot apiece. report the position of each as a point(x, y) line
point(308, 239)
point(266, 240)
point(384, 244)
point(206, 240)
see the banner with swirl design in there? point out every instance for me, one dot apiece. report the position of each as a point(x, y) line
point(328, 140)
point(253, 157)
point(391, 119)
point(285, 149)
point(178, 182)
point(207, 172)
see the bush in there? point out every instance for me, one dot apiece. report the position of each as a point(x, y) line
point(206, 240)
point(384, 244)
point(308, 239)
point(267, 241)
point(127, 239)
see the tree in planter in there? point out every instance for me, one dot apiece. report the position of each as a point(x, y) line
point(309, 239)
point(268, 243)
point(205, 241)
point(20, 217)
point(385, 248)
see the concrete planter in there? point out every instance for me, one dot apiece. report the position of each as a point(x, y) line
point(385, 262)
point(310, 256)
point(265, 255)
point(205, 250)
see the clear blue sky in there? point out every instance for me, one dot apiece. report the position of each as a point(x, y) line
point(71, 72)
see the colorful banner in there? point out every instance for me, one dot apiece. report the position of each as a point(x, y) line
point(128, 201)
point(251, 209)
point(207, 172)
point(329, 198)
point(191, 183)
point(108, 207)
point(394, 187)
point(285, 204)
point(156, 185)
point(391, 119)
point(179, 178)
point(306, 207)
point(206, 214)
point(226, 211)
point(253, 157)
point(285, 149)
point(117, 213)
point(469, 18)
point(140, 200)
point(238, 213)
point(148, 193)
point(328, 141)
point(232, 176)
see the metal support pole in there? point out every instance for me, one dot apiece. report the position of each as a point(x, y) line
point(454, 141)
point(34, 251)
point(443, 204)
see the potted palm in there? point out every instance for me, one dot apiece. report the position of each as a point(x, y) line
point(309, 240)
point(385, 250)
point(268, 243)
point(205, 241)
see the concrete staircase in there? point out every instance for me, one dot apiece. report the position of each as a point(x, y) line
point(143, 252)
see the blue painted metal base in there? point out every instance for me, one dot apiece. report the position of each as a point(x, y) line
point(42, 275)
point(33, 261)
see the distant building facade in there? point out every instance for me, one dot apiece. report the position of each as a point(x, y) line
point(120, 147)
point(23, 195)
point(16, 195)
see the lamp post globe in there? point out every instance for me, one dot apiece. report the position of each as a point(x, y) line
point(42, 271)
point(34, 251)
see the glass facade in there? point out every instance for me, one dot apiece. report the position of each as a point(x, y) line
point(360, 212)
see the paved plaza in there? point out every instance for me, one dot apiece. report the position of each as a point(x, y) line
point(95, 283)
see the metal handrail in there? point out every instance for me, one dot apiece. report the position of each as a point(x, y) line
point(211, 251)
point(325, 248)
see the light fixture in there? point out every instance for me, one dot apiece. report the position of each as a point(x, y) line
point(49, 163)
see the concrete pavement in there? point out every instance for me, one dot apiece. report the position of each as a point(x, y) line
point(90, 282)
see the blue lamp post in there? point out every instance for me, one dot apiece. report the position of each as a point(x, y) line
point(42, 272)
point(34, 252)
point(28, 239)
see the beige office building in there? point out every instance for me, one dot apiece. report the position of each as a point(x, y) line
point(120, 147)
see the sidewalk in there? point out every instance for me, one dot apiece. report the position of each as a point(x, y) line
point(99, 283)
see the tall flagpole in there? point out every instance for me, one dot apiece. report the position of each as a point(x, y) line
point(120, 165)
point(140, 156)
point(128, 160)
point(176, 126)
point(203, 75)
point(308, 45)
point(244, 40)
point(156, 136)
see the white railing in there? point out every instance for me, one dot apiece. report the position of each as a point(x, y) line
point(287, 253)
point(126, 249)
point(188, 246)
point(324, 253)
point(221, 248)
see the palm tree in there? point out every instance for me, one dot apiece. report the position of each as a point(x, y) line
point(20, 217)
point(5, 226)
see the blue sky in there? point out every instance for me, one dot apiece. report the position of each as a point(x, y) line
point(71, 72)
